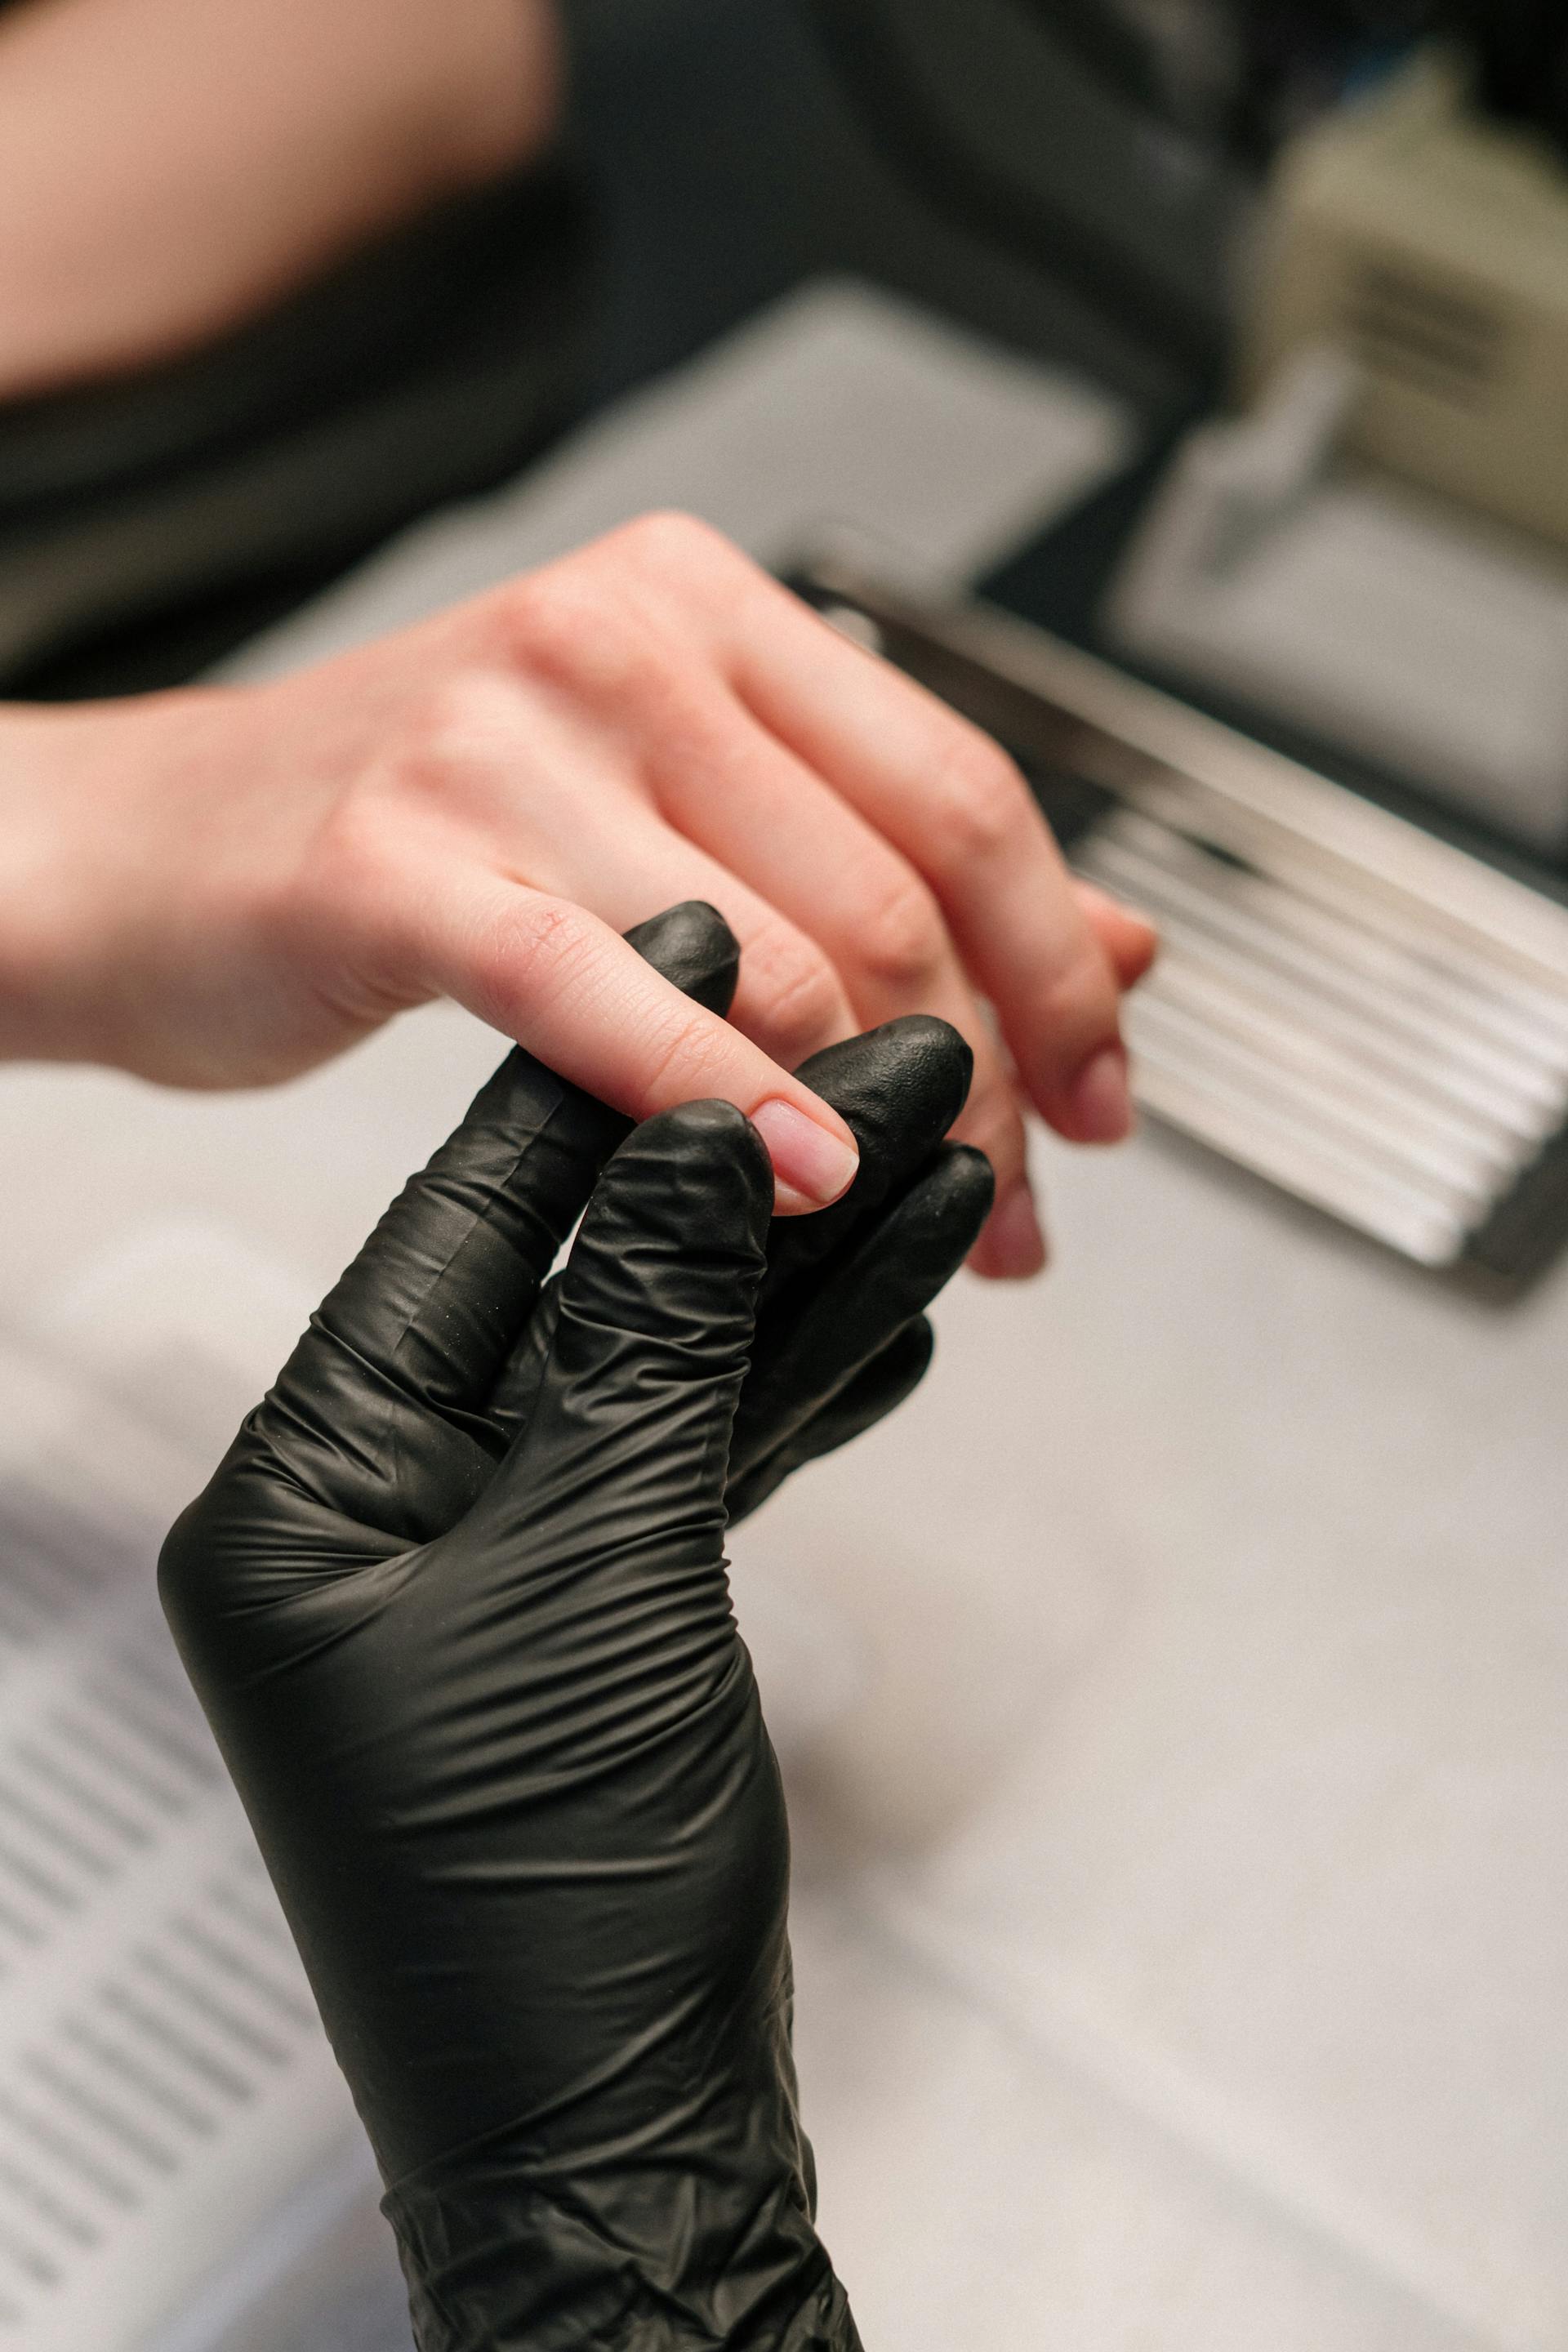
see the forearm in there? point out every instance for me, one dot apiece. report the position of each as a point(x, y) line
point(131, 905)
point(168, 167)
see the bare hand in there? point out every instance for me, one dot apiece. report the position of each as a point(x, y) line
point(222, 888)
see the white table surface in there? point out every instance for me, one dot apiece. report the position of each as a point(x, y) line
point(1174, 1696)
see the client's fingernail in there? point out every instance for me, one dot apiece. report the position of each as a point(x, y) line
point(812, 1166)
point(1101, 1099)
point(1014, 1245)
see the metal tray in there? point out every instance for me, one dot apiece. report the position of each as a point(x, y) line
point(1359, 1012)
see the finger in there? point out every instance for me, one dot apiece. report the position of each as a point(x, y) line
point(898, 1088)
point(877, 1390)
point(890, 1274)
point(952, 802)
point(627, 1443)
point(1129, 937)
point(692, 947)
point(1012, 1246)
point(420, 1325)
point(789, 999)
point(877, 1082)
point(957, 807)
point(769, 819)
point(589, 828)
point(541, 968)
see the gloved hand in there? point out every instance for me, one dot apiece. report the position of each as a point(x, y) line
point(456, 1606)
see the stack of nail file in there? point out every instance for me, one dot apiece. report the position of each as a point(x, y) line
point(1359, 1012)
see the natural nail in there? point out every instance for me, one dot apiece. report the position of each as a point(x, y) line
point(1014, 1245)
point(1101, 1099)
point(812, 1166)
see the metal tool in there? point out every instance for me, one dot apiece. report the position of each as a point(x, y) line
point(1366, 1015)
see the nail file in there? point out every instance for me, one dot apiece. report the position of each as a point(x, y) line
point(1366, 1015)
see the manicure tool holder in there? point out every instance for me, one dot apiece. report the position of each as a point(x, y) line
point(1357, 1011)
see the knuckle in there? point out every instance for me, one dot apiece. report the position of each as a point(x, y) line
point(539, 953)
point(690, 1062)
point(348, 908)
point(546, 938)
point(354, 849)
point(980, 801)
point(795, 992)
point(541, 609)
point(667, 541)
point(448, 724)
point(899, 939)
point(561, 629)
point(452, 738)
point(362, 883)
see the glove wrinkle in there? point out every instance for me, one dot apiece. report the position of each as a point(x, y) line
point(876, 1281)
point(879, 1256)
point(550, 2269)
point(453, 1269)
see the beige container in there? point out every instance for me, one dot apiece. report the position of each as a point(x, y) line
point(1433, 245)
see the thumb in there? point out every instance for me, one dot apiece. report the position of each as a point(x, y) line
point(628, 1442)
point(429, 1309)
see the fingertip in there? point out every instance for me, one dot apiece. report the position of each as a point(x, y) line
point(1012, 1247)
point(692, 947)
point(719, 1172)
point(1097, 1104)
point(919, 1048)
point(710, 1124)
point(681, 1210)
point(942, 1219)
point(910, 1077)
point(969, 1181)
point(1135, 951)
point(702, 1140)
point(1128, 936)
point(813, 1164)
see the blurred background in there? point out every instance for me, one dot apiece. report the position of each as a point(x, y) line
point(1172, 1697)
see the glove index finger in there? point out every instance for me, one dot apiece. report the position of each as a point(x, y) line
point(656, 1308)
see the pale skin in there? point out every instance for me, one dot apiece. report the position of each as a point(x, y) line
point(168, 167)
point(219, 887)
point(224, 886)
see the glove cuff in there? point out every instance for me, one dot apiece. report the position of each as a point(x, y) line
point(498, 2260)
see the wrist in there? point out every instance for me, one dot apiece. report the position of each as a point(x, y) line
point(500, 2256)
point(102, 874)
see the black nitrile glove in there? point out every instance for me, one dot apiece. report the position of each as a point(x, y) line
point(456, 1606)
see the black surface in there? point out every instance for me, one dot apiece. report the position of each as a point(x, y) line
point(148, 526)
point(733, 159)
